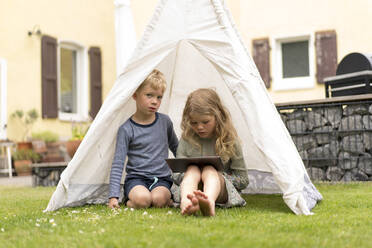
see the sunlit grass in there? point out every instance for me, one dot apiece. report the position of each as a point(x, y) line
point(342, 219)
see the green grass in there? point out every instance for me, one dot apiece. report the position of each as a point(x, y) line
point(342, 219)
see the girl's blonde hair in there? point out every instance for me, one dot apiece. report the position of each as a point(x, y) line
point(207, 102)
point(156, 80)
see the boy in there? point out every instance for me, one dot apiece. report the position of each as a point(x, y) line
point(144, 138)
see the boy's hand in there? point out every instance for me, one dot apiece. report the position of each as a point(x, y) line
point(113, 203)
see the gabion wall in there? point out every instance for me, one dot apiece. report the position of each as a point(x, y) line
point(333, 139)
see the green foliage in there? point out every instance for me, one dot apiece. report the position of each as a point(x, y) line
point(27, 120)
point(22, 154)
point(342, 219)
point(46, 136)
point(78, 130)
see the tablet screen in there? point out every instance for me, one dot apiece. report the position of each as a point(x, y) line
point(181, 164)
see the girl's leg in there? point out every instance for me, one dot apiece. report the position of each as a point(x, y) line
point(190, 181)
point(139, 197)
point(161, 197)
point(214, 190)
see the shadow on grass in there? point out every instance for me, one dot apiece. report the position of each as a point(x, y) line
point(266, 203)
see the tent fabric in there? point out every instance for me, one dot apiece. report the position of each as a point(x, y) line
point(195, 44)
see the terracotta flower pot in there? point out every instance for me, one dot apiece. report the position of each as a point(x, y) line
point(23, 167)
point(24, 145)
point(72, 146)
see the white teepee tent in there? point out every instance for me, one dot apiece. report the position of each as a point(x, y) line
point(195, 44)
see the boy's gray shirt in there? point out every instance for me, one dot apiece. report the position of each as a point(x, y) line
point(146, 147)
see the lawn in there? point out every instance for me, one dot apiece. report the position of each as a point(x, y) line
point(342, 219)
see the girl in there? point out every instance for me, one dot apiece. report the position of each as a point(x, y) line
point(207, 130)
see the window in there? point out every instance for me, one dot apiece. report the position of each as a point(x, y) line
point(293, 63)
point(72, 82)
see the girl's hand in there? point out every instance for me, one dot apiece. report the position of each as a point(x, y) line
point(113, 203)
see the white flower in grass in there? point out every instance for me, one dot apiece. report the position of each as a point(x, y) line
point(37, 224)
point(132, 209)
point(150, 216)
point(144, 213)
point(51, 220)
point(75, 212)
point(125, 209)
point(170, 212)
point(81, 232)
point(54, 224)
point(2, 229)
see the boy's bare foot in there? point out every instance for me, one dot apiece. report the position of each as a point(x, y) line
point(191, 207)
point(206, 206)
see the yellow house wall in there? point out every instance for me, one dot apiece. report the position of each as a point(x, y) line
point(87, 22)
point(286, 18)
point(91, 23)
point(267, 18)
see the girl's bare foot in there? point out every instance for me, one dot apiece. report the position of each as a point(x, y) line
point(191, 207)
point(206, 206)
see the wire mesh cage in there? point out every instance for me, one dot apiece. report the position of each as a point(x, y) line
point(334, 139)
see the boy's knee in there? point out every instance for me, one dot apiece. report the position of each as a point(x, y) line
point(160, 201)
point(142, 201)
point(160, 197)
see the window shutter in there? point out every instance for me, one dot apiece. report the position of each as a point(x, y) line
point(49, 77)
point(95, 80)
point(261, 56)
point(326, 54)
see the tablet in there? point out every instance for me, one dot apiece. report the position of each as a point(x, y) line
point(181, 164)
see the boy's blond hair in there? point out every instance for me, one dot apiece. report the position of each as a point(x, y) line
point(156, 80)
point(207, 102)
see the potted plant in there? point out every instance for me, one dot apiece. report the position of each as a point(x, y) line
point(23, 160)
point(78, 131)
point(46, 143)
point(26, 120)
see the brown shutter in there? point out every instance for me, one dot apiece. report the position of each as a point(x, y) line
point(95, 80)
point(326, 54)
point(49, 77)
point(261, 56)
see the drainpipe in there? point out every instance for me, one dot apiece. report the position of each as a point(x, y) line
point(3, 99)
point(125, 34)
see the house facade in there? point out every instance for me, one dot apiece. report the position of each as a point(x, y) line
point(60, 57)
point(57, 57)
point(299, 43)
point(295, 44)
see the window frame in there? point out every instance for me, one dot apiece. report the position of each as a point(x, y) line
point(81, 81)
point(278, 82)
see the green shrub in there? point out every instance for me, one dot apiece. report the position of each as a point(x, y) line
point(46, 136)
point(78, 131)
point(26, 155)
